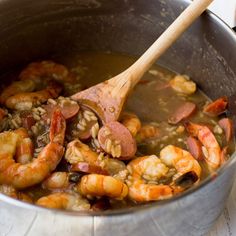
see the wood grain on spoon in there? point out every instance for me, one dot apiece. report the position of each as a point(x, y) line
point(107, 98)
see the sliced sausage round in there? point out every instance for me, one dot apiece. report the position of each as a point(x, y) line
point(195, 148)
point(86, 134)
point(224, 155)
point(227, 125)
point(117, 140)
point(68, 110)
point(183, 112)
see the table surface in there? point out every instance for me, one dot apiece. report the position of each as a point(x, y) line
point(226, 224)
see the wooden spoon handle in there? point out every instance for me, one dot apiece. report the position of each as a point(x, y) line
point(135, 72)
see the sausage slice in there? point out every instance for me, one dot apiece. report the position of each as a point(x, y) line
point(216, 107)
point(183, 112)
point(227, 125)
point(117, 140)
point(195, 148)
point(68, 110)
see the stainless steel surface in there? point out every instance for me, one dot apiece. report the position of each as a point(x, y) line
point(31, 30)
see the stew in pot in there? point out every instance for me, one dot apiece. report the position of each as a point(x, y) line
point(56, 153)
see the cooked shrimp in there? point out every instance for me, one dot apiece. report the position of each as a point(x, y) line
point(131, 122)
point(22, 176)
point(57, 180)
point(182, 84)
point(24, 147)
point(101, 185)
point(212, 150)
point(12, 192)
point(45, 70)
point(147, 132)
point(141, 192)
point(80, 153)
point(26, 100)
point(83, 158)
point(17, 87)
point(57, 127)
point(147, 167)
point(65, 201)
point(21, 95)
point(8, 190)
point(77, 151)
point(181, 160)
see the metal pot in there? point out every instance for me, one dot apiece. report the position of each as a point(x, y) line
point(31, 30)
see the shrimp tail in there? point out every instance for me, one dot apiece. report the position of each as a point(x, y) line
point(192, 129)
point(58, 127)
point(208, 140)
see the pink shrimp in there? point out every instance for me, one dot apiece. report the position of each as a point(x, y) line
point(83, 159)
point(131, 122)
point(46, 69)
point(22, 176)
point(21, 95)
point(181, 160)
point(69, 201)
point(147, 132)
point(212, 151)
point(17, 87)
point(147, 168)
point(101, 185)
point(141, 192)
point(12, 192)
point(26, 100)
point(57, 180)
point(24, 148)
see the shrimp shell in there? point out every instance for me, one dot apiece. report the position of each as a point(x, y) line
point(45, 69)
point(208, 140)
point(101, 185)
point(131, 122)
point(141, 192)
point(181, 160)
point(26, 100)
point(57, 180)
point(65, 201)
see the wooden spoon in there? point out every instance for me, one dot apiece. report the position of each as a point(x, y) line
point(107, 98)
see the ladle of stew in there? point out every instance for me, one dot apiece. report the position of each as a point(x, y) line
point(107, 98)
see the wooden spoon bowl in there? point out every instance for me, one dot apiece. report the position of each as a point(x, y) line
point(107, 98)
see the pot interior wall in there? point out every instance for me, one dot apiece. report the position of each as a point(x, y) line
point(33, 30)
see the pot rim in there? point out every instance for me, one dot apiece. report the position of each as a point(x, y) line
point(149, 206)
